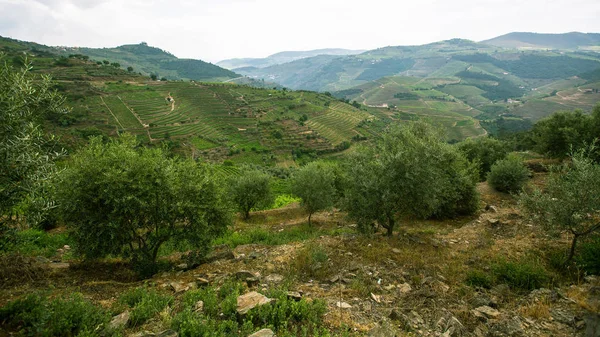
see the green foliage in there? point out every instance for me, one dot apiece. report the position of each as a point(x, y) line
point(119, 200)
point(250, 190)
point(33, 242)
point(314, 183)
point(524, 274)
point(410, 173)
point(284, 200)
point(145, 303)
point(588, 258)
point(285, 316)
point(36, 315)
point(563, 132)
point(571, 200)
point(479, 278)
point(508, 175)
point(484, 151)
point(26, 152)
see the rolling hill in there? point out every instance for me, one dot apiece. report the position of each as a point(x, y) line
point(151, 60)
point(282, 57)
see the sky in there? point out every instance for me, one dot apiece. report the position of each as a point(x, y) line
point(214, 30)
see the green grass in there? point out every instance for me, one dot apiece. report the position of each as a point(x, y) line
point(267, 237)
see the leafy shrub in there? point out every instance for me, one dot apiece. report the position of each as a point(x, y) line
point(145, 304)
point(284, 200)
point(524, 275)
point(589, 256)
point(508, 175)
point(478, 278)
point(484, 151)
point(64, 316)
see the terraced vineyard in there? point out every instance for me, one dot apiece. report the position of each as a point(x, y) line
point(224, 120)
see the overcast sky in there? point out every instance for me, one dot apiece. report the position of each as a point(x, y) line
point(213, 30)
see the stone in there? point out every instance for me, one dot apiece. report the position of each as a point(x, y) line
point(376, 298)
point(294, 295)
point(482, 300)
point(179, 287)
point(119, 321)
point(563, 316)
point(509, 327)
point(199, 306)
point(263, 333)
point(253, 255)
point(182, 266)
point(383, 330)
point(252, 281)
point(202, 282)
point(491, 208)
point(486, 312)
point(396, 250)
point(221, 252)
point(274, 278)
point(244, 274)
point(251, 300)
point(343, 305)
point(165, 333)
point(404, 288)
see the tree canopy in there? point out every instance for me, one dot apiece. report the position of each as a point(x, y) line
point(250, 189)
point(120, 200)
point(314, 183)
point(411, 172)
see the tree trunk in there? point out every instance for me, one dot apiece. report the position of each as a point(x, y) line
point(572, 251)
point(309, 216)
point(390, 227)
point(247, 215)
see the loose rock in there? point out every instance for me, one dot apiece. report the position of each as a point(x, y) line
point(251, 300)
point(263, 333)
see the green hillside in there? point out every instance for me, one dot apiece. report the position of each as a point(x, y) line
point(152, 60)
point(144, 59)
point(282, 57)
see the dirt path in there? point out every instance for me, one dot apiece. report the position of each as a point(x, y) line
point(114, 116)
point(138, 118)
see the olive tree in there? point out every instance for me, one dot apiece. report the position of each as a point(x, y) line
point(484, 151)
point(570, 202)
point(27, 154)
point(120, 200)
point(250, 189)
point(411, 172)
point(314, 183)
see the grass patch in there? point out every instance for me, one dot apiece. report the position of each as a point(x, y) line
point(270, 238)
point(36, 315)
point(34, 242)
point(219, 318)
point(144, 304)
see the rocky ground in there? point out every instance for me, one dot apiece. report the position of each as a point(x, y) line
point(412, 284)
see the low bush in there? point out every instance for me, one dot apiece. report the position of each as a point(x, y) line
point(36, 315)
point(508, 175)
point(144, 303)
point(523, 274)
point(478, 278)
point(34, 242)
point(588, 258)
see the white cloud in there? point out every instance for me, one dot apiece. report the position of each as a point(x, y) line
point(214, 30)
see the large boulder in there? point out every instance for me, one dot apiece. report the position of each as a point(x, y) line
point(251, 300)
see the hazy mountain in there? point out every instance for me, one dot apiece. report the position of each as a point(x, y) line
point(573, 40)
point(442, 59)
point(283, 57)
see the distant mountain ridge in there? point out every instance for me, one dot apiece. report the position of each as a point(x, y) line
point(572, 40)
point(283, 57)
point(152, 60)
